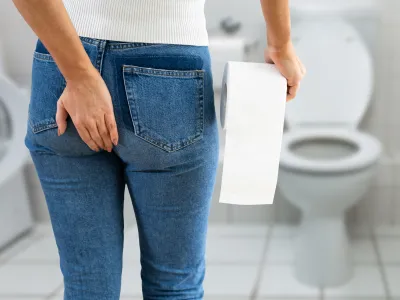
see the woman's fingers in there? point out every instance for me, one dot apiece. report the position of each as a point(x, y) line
point(91, 126)
point(292, 91)
point(61, 117)
point(302, 67)
point(105, 136)
point(85, 136)
point(111, 124)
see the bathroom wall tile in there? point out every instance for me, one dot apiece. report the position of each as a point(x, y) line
point(29, 280)
point(361, 214)
point(366, 282)
point(279, 281)
point(385, 172)
point(382, 206)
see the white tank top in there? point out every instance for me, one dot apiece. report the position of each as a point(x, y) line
point(146, 21)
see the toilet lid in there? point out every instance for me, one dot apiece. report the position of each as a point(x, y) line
point(338, 85)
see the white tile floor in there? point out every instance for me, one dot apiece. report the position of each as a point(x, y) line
point(243, 262)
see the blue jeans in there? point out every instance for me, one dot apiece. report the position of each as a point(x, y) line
point(167, 156)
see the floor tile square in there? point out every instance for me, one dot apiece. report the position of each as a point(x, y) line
point(237, 230)
point(227, 280)
point(279, 281)
point(281, 250)
point(42, 250)
point(131, 247)
point(363, 251)
point(235, 250)
point(284, 231)
point(366, 282)
point(16, 247)
point(393, 277)
point(29, 280)
point(131, 281)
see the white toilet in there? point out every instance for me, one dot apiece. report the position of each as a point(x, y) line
point(326, 163)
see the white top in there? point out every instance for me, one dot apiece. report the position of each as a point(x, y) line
point(146, 21)
point(338, 86)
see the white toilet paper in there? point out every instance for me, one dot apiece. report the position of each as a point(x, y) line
point(252, 113)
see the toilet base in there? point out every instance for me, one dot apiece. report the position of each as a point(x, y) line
point(322, 252)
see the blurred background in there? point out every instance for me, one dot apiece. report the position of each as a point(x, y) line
point(333, 231)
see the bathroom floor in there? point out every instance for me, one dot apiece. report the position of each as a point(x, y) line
point(243, 262)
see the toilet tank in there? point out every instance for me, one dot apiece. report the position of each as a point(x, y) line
point(364, 15)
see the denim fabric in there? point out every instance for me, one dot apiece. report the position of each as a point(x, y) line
point(167, 156)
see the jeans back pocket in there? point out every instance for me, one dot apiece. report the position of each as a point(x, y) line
point(47, 86)
point(166, 106)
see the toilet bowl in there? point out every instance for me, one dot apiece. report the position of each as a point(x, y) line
point(326, 163)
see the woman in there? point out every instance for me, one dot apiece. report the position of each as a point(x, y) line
point(122, 94)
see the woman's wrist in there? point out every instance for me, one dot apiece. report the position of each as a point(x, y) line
point(80, 72)
point(280, 49)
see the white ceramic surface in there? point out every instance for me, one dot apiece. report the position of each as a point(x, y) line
point(326, 164)
point(339, 81)
point(15, 215)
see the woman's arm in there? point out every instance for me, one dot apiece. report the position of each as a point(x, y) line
point(86, 98)
point(280, 49)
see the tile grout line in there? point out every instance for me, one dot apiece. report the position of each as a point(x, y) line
point(33, 239)
point(382, 270)
point(256, 287)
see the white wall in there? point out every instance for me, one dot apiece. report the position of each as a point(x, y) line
point(18, 41)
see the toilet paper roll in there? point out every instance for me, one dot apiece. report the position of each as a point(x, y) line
point(252, 113)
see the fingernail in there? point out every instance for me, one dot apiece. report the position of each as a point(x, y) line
point(115, 142)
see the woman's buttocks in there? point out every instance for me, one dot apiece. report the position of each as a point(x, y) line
point(162, 93)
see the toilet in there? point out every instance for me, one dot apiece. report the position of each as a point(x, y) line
point(327, 163)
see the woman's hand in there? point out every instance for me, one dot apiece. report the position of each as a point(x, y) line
point(289, 65)
point(87, 101)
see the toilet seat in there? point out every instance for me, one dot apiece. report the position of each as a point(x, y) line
point(368, 150)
